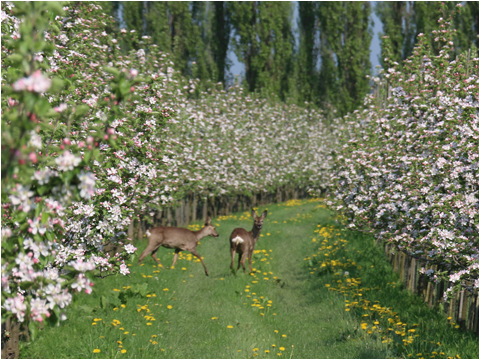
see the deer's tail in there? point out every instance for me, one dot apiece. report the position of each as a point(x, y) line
point(237, 240)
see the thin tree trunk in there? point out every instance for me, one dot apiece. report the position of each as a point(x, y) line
point(169, 217)
point(194, 208)
point(205, 209)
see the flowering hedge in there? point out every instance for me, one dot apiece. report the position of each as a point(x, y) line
point(409, 173)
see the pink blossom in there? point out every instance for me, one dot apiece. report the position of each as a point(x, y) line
point(35, 82)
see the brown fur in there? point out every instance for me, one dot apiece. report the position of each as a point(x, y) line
point(245, 249)
point(179, 239)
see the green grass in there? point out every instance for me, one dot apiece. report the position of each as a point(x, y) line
point(213, 317)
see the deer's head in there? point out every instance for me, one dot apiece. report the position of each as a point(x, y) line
point(210, 229)
point(258, 220)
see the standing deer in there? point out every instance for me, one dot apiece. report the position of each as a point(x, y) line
point(243, 241)
point(179, 239)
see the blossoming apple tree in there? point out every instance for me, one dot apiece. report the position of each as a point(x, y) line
point(409, 172)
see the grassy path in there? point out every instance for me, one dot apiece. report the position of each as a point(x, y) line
point(283, 310)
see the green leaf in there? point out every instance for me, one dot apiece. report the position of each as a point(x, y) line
point(32, 327)
point(45, 217)
point(57, 85)
point(111, 70)
point(14, 58)
point(81, 110)
point(54, 318)
point(86, 156)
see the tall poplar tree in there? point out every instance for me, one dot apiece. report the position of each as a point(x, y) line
point(308, 52)
point(220, 38)
point(403, 21)
point(345, 40)
point(264, 42)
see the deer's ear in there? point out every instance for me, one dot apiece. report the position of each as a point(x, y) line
point(254, 214)
point(264, 214)
point(208, 221)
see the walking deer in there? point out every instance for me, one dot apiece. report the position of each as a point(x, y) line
point(179, 239)
point(243, 241)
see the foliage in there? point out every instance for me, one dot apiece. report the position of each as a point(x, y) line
point(409, 171)
point(72, 161)
point(345, 49)
point(403, 21)
point(94, 138)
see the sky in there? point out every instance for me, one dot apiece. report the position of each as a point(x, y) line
point(239, 69)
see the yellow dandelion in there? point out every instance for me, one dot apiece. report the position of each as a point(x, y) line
point(284, 336)
point(214, 318)
point(230, 327)
point(96, 351)
point(282, 348)
point(169, 307)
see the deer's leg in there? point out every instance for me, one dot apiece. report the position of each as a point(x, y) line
point(232, 252)
point(154, 256)
point(240, 255)
point(250, 261)
point(244, 258)
point(194, 253)
point(175, 257)
point(150, 248)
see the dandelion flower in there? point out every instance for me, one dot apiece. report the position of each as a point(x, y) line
point(214, 318)
point(169, 307)
point(284, 335)
point(230, 327)
point(96, 351)
point(282, 348)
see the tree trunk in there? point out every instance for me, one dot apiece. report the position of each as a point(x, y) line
point(194, 208)
point(205, 209)
point(10, 349)
point(169, 216)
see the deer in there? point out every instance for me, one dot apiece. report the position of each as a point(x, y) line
point(243, 242)
point(180, 239)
